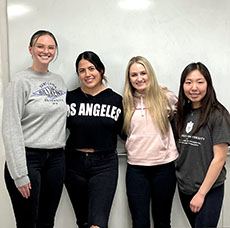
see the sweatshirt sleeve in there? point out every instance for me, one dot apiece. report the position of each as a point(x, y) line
point(14, 104)
point(172, 98)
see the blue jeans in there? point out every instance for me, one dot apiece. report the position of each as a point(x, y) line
point(46, 170)
point(209, 214)
point(91, 180)
point(151, 183)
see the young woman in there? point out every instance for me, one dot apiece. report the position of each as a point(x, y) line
point(148, 109)
point(34, 120)
point(95, 119)
point(203, 127)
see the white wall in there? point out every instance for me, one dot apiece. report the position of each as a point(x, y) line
point(170, 34)
point(7, 219)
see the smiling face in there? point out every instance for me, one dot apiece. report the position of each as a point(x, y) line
point(43, 51)
point(90, 77)
point(138, 77)
point(195, 88)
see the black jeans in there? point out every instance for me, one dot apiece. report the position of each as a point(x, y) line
point(209, 214)
point(151, 183)
point(91, 180)
point(46, 170)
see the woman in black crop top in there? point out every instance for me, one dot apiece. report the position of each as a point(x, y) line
point(95, 119)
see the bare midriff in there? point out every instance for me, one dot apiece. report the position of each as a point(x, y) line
point(87, 150)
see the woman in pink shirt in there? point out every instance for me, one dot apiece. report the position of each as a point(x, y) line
point(151, 149)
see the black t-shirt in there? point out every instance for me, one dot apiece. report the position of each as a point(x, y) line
point(94, 121)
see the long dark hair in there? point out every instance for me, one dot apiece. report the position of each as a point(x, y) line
point(95, 60)
point(208, 104)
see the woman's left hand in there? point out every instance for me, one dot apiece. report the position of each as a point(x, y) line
point(25, 190)
point(196, 202)
point(215, 167)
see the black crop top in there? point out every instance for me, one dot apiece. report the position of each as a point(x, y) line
point(94, 121)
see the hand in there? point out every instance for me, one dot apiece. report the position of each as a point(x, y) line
point(196, 202)
point(25, 190)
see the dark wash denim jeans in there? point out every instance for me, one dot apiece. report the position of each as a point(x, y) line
point(91, 180)
point(46, 170)
point(209, 214)
point(155, 184)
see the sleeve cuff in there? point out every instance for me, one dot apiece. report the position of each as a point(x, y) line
point(22, 181)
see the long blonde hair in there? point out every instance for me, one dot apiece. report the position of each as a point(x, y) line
point(155, 99)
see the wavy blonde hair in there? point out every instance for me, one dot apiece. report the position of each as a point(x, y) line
point(155, 98)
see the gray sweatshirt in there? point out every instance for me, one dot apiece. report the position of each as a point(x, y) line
point(34, 115)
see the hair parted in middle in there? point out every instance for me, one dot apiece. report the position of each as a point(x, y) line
point(209, 103)
point(95, 60)
point(34, 38)
point(156, 100)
